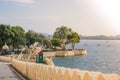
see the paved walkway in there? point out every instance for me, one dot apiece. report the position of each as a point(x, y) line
point(6, 73)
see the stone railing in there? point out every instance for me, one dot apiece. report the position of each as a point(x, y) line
point(35, 71)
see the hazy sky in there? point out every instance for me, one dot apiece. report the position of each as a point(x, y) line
point(87, 17)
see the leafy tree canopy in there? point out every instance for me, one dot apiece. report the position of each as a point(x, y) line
point(6, 34)
point(56, 42)
point(73, 38)
point(62, 32)
point(19, 36)
point(67, 35)
point(33, 37)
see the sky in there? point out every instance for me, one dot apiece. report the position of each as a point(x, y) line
point(86, 17)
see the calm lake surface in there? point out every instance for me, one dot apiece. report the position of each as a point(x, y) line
point(102, 55)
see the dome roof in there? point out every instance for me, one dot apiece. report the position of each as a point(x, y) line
point(5, 46)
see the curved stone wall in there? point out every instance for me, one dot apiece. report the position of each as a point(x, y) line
point(36, 71)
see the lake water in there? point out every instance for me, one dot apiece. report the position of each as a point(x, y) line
point(102, 55)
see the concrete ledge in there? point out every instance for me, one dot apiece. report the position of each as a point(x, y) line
point(65, 53)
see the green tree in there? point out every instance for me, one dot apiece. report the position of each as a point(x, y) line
point(56, 42)
point(47, 43)
point(38, 37)
point(73, 38)
point(19, 36)
point(30, 37)
point(62, 32)
point(33, 37)
point(6, 35)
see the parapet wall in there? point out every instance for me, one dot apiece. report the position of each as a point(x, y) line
point(36, 71)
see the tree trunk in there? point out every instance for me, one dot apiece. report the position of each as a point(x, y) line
point(73, 45)
point(64, 47)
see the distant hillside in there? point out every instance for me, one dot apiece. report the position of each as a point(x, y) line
point(48, 36)
point(102, 37)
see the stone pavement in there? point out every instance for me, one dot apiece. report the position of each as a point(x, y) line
point(6, 73)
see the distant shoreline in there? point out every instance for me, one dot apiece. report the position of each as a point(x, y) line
point(100, 37)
